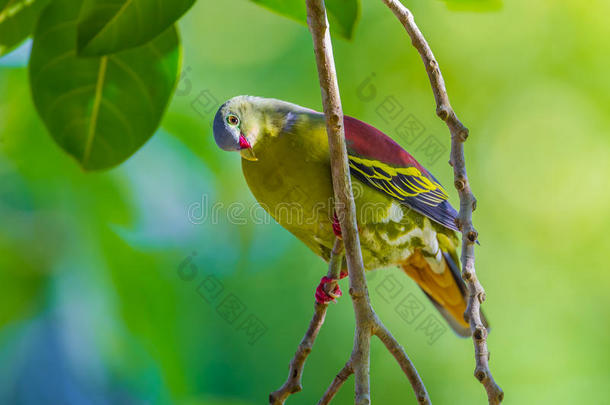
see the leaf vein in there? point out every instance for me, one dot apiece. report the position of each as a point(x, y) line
point(67, 95)
point(137, 80)
point(112, 20)
point(122, 118)
point(99, 87)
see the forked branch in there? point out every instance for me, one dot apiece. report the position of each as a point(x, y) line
point(367, 322)
point(293, 382)
point(459, 134)
point(344, 199)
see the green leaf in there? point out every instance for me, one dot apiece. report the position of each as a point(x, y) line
point(342, 14)
point(474, 5)
point(100, 110)
point(17, 21)
point(109, 26)
point(289, 8)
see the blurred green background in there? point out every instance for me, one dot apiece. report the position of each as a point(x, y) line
point(113, 294)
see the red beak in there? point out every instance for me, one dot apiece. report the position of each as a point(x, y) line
point(243, 142)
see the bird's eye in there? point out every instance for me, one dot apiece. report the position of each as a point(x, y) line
point(232, 120)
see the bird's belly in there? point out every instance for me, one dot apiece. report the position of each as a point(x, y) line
point(298, 195)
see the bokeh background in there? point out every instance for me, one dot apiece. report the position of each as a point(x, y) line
point(112, 293)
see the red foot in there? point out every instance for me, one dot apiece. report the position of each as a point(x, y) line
point(336, 226)
point(322, 296)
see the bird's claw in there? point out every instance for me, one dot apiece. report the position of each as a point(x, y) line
point(336, 226)
point(323, 296)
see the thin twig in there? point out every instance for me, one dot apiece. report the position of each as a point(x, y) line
point(293, 382)
point(404, 361)
point(367, 321)
point(336, 384)
point(344, 199)
point(459, 134)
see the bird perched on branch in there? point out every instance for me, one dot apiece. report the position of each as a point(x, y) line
point(403, 213)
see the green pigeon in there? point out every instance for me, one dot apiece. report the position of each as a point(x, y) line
point(403, 213)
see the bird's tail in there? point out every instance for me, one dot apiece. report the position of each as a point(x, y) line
point(444, 287)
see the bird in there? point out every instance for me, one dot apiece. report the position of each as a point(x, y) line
point(403, 213)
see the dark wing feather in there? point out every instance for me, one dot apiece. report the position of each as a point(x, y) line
point(376, 160)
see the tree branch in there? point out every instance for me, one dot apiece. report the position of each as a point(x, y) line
point(459, 134)
point(293, 382)
point(405, 363)
point(344, 199)
point(367, 322)
point(336, 384)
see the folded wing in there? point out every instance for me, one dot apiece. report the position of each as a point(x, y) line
point(376, 160)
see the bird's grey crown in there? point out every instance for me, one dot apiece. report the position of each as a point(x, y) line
point(224, 137)
point(227, 137)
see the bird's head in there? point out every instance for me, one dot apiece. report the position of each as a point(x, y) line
point(237, 126)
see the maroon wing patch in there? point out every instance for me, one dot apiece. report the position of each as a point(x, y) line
point(366, 141)
point(380, 162)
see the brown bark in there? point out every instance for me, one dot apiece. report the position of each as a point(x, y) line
point(459, 134)
point(367, 322)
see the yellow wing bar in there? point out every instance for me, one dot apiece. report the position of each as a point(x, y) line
point(402, 183)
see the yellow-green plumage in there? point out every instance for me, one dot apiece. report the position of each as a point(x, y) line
point(291, 179)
